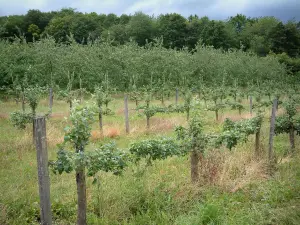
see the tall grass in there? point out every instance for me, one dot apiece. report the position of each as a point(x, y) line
point(234, 187)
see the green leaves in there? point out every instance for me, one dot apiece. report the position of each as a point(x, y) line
point(65, 162)
point(234, 132)
point(155, 149)
point(78, 133)
point(287, 122)
point(107, 158)
point(33, 96)
point(20, 119)
point(283, 124)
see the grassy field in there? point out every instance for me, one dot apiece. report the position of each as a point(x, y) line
point(235, 187)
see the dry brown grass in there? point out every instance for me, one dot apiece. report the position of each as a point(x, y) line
point(231, 170)
point(59, 115)
point(161, 125)
point(4, 116)
point(54, 135)
point(112, 132)
point(108, 131)
point(236, 117)
point(24, 142)
point(96, 135)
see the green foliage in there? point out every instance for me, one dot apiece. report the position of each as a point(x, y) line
point(20, 119)
point(99, 96)
point(288, 122)
point(193, 137)
point(64, 162)
point(155, 149)
point(79, 132)
point(176, 108)
point(107, 158)
point(234, 132)
point(33, 96)
point(236, 106)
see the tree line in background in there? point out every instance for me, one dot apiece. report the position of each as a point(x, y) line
point(130, 67)
point(260, 35)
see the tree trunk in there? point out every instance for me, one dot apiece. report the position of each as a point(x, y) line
point(217, 115)
point(194, 166)
point(100, 120)
point(205, 103)
point(23, 102)
point(251, 105)
point(126, 114)
point(70, 105)
point(292, 138)
point(240, 111)
point(187, 114)
point(148, 122)
point(81, 192)
point(81, 196)
point(272, 132)
point(257, 142)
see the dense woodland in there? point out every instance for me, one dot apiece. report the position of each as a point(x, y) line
point(262, 35)
point(52, 48)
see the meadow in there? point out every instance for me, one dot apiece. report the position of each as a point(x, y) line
point(234, 187)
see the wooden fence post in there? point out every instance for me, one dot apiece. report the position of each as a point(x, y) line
point(50, 99)
point(126, 114)
point(251, 105)
point(39, 124)
point(272, 131)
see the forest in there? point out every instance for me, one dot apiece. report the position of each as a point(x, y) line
point(136, 119)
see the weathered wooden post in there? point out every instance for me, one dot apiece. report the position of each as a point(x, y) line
point(126, 114)
point(39, 124)
point(50, 99)
point(176, 99)
point(194, 166)
point(251, 105)
point(100, 115)
point(272, 131)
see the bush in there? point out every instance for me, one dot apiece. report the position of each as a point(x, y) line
point(20, 119)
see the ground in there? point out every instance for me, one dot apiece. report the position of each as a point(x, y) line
point(235, 187)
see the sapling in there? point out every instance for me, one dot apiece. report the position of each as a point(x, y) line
point(188, 97)
point(288, 123)
point(135, 95)
point(68, 94)
point(33, 95)
point(236, 106)
point(107, 158)
point(235, 132)
point(99, 96)
point(77, 135)
point(193, 140)
point(149, 111)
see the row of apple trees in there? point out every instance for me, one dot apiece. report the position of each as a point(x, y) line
point(192, 140)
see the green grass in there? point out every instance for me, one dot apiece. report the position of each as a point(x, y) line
point(160, 194)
